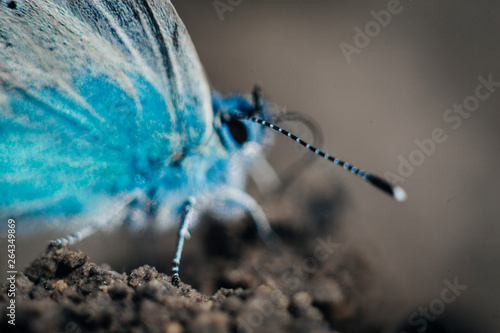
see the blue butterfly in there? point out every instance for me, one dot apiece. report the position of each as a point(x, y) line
point(106, 115)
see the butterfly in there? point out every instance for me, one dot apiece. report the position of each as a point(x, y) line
point(106, 115)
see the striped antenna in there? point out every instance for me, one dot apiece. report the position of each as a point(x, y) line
point(395, 191)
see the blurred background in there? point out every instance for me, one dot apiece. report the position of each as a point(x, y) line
point(374, 93)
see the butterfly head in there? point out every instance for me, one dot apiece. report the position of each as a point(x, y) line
point(235, 131)
point(233, 120)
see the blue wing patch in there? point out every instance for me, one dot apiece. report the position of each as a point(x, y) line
point(91, 95)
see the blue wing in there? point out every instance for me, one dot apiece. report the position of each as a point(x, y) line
point(93, 93)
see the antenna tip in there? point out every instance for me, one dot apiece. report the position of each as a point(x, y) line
point(395, 191)
point(399, 194)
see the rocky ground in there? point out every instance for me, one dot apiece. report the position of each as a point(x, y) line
point(311, 282)
point(62, 291)
point(307, 283)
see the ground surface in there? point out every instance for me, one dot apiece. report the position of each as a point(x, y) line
point(63, 292)
point(310, 282)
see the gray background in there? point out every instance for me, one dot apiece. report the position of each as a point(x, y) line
point(371, 110)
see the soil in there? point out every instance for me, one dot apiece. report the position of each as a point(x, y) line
point(306, 282)
point(63, 292)
point(310, 280)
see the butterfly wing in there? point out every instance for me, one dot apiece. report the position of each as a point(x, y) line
point(93, 93)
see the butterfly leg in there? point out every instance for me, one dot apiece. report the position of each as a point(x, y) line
point(264, 176)
point(189, 215)
point(74, 238)
point(247, 203)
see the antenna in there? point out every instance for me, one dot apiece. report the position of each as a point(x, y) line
point(395, 191)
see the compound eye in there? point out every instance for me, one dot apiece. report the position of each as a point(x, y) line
point(238, 131)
